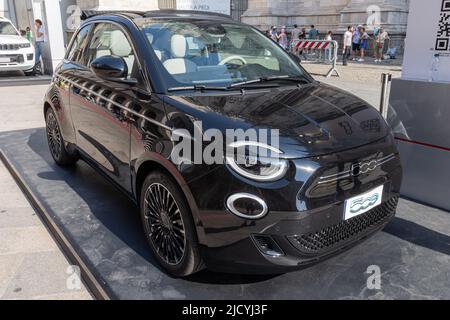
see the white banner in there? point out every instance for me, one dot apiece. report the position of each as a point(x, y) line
point(428, 34)
point(218, 6)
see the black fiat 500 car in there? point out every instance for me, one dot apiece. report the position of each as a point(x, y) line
point(130, 80)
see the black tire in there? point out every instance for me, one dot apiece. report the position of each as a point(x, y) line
point(168, 226)
point(56, 142)
point(29, 73)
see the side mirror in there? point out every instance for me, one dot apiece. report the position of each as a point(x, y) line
point(110, 68)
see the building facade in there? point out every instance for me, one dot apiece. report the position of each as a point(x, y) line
point(62, 17)
point(331, 15)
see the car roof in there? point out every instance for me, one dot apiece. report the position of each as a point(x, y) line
point(165, 13)
point(185, 13)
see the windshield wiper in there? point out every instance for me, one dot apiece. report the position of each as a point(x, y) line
point(269, 79)
point(198, 88)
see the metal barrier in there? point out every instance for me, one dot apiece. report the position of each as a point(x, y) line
point(316, 50)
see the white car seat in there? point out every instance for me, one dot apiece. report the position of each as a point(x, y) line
point(178, 64)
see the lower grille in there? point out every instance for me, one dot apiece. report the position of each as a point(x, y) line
point(331, 237)
point(13, 58)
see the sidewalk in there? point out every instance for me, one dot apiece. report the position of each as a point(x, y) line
point(11, 79)
point(360, 78)
point(31, 264)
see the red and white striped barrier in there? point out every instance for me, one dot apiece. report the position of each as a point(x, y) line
point(311, 44)
point(304, 45)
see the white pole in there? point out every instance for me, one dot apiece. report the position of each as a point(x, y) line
point(55, 49)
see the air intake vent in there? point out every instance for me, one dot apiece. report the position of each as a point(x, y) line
point(268, 246)
point(338, 235)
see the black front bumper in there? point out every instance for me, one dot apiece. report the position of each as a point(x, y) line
point(302, 246)
point(306, 219)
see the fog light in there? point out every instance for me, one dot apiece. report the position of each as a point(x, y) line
point(247, 206)
point(268, 246)
point(30, 56)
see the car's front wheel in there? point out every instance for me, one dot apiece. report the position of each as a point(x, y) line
point(56, 142)
point(168, 226)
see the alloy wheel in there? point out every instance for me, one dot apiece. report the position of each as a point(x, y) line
point(54, 136)
point(165, 224)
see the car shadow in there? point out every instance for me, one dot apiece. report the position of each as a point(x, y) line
point(419, 235)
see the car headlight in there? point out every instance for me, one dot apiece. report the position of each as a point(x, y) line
point(251, 163)
point(24, 45)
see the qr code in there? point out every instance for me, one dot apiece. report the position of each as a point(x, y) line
point(443, 34)
point(445, 5)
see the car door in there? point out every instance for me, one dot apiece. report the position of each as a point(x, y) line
point(60, 90)
point(99, 106)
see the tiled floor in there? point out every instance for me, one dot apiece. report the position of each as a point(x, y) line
point(31, 264)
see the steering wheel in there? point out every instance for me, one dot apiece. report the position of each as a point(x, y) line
point(226, 60)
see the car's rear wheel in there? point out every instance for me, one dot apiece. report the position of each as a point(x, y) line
point(56, 142)
point(168, 226)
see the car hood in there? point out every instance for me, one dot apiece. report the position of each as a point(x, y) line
point(312, 120)
point(8, 39)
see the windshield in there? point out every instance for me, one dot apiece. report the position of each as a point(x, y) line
point(211, 53)
point(7, 29)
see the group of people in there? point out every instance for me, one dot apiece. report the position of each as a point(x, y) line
point(356, 44)
point(286, 42)
point(38, 39)
point(356, 41)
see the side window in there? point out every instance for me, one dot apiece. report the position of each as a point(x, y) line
point(75, 53)
point(108, 39)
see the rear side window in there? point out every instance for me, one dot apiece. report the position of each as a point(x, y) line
point(79, 45)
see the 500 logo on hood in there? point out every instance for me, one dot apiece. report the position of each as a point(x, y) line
point(363, 203)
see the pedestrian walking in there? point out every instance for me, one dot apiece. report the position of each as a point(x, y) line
point(328, 51)
point(302, 35)
point(313, 33)
point(29, 34)
point(376, 31)
point(295, 36)
point(347, 45)
point(274, 34)
point(381, 40)
point(356, 45)
point(40, 43)
point(283, 38)
point(301, 52)
point(364, 44)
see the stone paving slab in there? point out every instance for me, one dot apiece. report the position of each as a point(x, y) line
point(31, 264)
